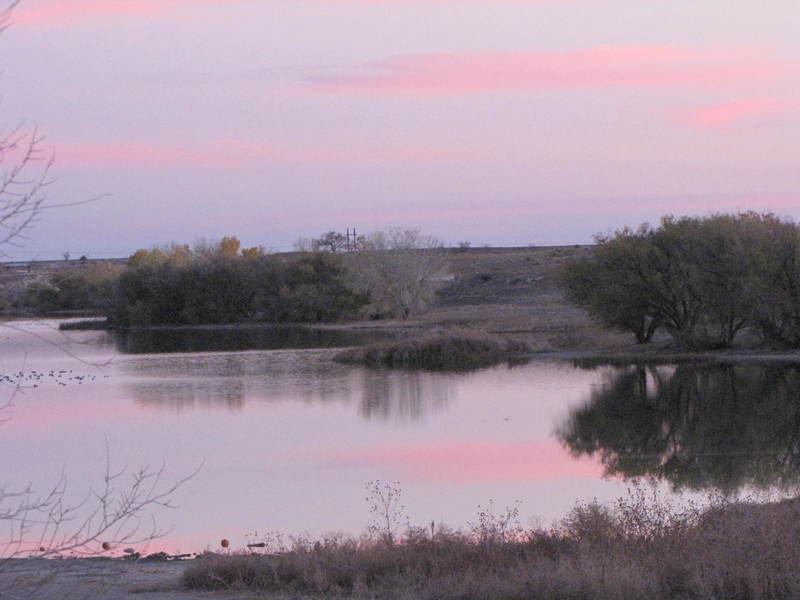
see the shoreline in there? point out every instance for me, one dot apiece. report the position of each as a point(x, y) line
point(656, 352)
point(510, 292)
point(604, 549)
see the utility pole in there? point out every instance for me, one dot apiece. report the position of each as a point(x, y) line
point(354, 246)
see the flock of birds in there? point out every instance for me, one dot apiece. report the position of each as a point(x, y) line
point(34, 378)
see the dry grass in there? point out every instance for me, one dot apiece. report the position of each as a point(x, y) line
point(639, 548)
point(517, 292)
point(452, 351)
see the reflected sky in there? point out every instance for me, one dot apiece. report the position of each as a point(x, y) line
point(466, 462)
point(288, 438)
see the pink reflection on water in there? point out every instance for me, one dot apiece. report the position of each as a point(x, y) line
point(470, 462)
point(31, 417)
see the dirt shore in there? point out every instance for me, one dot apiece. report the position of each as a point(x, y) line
point(100, 579)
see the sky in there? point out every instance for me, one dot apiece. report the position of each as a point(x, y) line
point(498, 122)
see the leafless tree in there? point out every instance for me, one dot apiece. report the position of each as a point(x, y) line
point(120, 512)
point(25, 165)
point(51, 522)
point(401, 269)
point(332, 241)
point(24, 172)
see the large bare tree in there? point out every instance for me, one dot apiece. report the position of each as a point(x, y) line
point(25, 164)
point(51, 522)
point(24, 174)
point(401, 269)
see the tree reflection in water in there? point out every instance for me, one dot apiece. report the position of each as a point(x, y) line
point(179, 382)
point(233, 338)
point(403, 395)
point(707, 426)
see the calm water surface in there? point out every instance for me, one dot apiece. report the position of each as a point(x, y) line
point(288, 439)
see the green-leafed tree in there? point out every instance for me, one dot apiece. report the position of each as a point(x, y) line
point(701, 279)
point(610, 285)
point(315, 289)
point(776, 296)
point(163, 287)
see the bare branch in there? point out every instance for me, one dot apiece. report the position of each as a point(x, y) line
point(401, 269)
point(57, 345)
point(5, 14)
point(50, 525)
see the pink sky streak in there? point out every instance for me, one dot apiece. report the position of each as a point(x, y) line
point(745, 110)
point(598, 67)
point(495, 121)
point(233, 154)
point(60, 13)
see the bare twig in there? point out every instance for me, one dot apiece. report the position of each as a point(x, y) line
point(110, 516)
point(55, 344)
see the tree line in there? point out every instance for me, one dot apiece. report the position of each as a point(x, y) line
point(393, 274)
point(703, 280)
point(226, 284)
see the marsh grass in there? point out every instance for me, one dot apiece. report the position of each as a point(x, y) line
point(637, 548)
point(454, 351)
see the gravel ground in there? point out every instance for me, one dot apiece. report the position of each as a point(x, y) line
point(99, 579)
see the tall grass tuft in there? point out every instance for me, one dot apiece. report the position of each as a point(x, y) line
point(639, 548)
point(448, 351)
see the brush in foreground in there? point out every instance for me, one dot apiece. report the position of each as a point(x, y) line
point(449, 351)
point(636, 550)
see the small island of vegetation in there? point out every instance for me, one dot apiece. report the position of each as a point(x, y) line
point(456, 351)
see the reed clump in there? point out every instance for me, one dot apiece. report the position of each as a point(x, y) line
point(636, 549)
point(454, 351)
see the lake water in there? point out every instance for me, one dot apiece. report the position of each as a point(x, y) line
point(286, 439)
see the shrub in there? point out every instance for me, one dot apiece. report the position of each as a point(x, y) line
point(89, 289)
point(701, 279)
point(638, 548)
point(400, 269)
point(214, 286)
point(451, 351)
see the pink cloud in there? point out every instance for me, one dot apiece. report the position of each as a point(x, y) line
point(471, 462)
point(599, 67)
point(744, 110)
point(237, 154)
point(60, 13)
